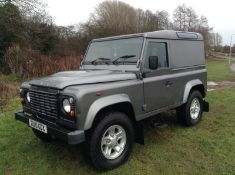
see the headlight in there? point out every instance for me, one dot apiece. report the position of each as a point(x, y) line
point(66, 105)
point(28, 96)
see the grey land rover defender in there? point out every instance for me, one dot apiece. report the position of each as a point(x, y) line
point(122, 80)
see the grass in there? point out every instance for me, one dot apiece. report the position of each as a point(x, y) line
point(224, 54)
point(219, 70)
point(208, 148)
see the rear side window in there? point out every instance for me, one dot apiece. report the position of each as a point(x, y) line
point(187, 53)
point(157, 49)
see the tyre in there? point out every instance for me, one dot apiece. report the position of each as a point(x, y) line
point(110, 141)
point(191, 113)
point(42, 136)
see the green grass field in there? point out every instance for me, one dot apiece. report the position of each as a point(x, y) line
point(219, 70)
point(208, 148)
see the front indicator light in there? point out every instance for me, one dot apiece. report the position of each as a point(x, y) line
point(72, 114)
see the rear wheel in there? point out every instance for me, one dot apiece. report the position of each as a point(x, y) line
point(42, 136)
point(191, 113)
point(110, 142)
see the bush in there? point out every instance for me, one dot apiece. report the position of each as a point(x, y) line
point(15, 58)
point(42, 65)
point(26, 63)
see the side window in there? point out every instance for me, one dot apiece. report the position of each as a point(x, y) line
point(157, 49)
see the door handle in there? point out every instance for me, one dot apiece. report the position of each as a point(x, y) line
point(168, 83)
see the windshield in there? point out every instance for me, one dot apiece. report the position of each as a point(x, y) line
point(115, 51)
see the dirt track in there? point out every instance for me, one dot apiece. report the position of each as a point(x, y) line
point(219, 85)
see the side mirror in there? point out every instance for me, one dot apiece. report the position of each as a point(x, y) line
point(153, 62)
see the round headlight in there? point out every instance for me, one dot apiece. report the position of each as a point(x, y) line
point(28, 97)
point(66, 105)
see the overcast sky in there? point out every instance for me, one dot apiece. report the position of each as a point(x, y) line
point(221, 14)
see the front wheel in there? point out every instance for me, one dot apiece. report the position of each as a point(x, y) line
point(191, 113)
point(111, 140)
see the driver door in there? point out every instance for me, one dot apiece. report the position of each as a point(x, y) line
point(158, 89)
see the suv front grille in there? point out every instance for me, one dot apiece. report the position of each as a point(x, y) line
point(44, 104)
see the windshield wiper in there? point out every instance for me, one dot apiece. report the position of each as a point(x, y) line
point(115, 61)
point(100, 58)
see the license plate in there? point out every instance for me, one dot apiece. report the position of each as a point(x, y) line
point(37, 125)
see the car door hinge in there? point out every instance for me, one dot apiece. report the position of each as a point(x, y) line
point(144, 107)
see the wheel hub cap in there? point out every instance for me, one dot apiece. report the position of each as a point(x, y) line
point(113, 142)
point(195, 108)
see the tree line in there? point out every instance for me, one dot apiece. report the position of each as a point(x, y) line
point(115, 17)
point(26, 24)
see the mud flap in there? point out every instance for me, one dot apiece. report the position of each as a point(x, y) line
point(139, 133)
point(206, 106)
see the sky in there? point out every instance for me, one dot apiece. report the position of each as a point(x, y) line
point(221, 14)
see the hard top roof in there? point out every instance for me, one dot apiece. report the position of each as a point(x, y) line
point(162, 34)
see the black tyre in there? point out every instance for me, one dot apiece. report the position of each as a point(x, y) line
point(191, 113)
point(42, 136)
point(110, 141)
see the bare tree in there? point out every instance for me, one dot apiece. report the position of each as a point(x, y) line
point(149, 21)
point(180, 18)
point(113, 17)
point(202, 22)
point(185, 18)
point(163, 19)
point(192, 18)
point(28, 7)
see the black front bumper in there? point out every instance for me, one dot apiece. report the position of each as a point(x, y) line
point(71, 137)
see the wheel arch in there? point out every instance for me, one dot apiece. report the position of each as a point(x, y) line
point(119, 102)
point(193, 85)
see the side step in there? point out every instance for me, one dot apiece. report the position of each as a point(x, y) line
point(158, 122)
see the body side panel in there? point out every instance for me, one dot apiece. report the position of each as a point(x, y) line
point(184, 80)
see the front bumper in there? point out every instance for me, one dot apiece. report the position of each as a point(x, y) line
point(71, 137)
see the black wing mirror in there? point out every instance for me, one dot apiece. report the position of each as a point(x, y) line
point(153, 62)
